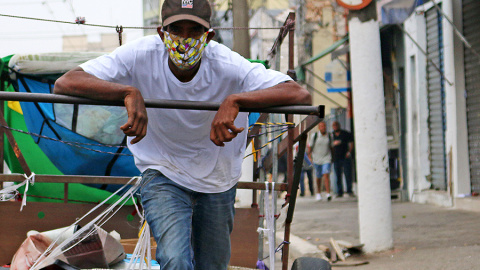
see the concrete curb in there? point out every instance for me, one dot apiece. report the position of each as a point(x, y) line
point(300, 247)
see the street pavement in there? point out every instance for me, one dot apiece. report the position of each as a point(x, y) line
point(425, 236)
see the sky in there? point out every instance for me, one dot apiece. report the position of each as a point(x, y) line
point(30, 36)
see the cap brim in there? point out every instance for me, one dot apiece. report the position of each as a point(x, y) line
point(181, 17)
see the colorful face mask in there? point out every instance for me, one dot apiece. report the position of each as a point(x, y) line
point(185, 52)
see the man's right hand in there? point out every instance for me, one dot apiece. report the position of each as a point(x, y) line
point(136, 125)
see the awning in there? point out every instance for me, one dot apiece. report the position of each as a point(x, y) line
point(397, 11)
point(301, 72)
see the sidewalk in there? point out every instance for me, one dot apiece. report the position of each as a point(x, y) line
point(425, 236)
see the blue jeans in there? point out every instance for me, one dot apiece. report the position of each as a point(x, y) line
point(321, 169)
point(192, 229)
point(309, 173)
point(345, 166)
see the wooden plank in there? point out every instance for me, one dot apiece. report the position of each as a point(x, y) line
point(244, 238)
point(333, 254)
point(337, 249)
point(86, 179)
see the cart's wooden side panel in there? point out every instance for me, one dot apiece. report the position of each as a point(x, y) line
point(40, 216)
point(245, 238)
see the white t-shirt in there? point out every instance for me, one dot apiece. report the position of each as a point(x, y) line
point(321, 153)
point(178, 141)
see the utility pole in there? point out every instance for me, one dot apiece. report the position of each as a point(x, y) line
point(374, 196)
point(241, 38)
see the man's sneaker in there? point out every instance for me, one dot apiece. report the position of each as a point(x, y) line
point(329, 197)
point(318, 197)
point(351, 195)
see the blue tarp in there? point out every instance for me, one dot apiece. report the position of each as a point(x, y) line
point(70, 152)
point(397, 11)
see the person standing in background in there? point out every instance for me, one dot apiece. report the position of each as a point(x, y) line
point(342, 153)
point(321, 154)
point(307, 168)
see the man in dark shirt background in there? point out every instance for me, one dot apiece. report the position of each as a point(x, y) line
point(342, 141)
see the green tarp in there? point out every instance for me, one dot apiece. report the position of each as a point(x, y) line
point(37, 161)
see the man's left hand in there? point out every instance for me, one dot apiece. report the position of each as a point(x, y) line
point(223, 128)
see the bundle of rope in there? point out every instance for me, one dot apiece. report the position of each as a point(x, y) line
point(55, 249)
point(269, 230)
point(11, 191)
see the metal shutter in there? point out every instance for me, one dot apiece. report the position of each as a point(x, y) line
point(436, 99)
point(471, 30)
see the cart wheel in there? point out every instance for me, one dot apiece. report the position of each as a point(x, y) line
point(307, 263)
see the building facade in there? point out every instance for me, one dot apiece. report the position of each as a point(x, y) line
point(442, 109)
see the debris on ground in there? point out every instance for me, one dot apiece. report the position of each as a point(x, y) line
point(95, 248)
point(339, 251)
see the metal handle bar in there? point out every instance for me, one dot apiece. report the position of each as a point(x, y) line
point(159, 103)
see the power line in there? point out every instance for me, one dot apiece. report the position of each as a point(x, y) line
point(72, 9)
point(65, 22)
point(19, 3)
point(132, 27)
point(50, 33)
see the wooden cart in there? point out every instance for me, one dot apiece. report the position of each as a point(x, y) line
point(42, 216)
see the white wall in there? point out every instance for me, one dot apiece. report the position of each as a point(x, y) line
point(416, 106)
point(458, 173)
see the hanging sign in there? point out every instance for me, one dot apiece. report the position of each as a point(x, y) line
point(353, 4)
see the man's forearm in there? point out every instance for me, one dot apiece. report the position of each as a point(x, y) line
point(288, 93)
point(77, 82)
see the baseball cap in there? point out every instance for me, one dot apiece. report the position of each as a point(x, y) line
point(193, 10)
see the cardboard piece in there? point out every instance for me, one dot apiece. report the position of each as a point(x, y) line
point(29, 252)
point(98, 250)
point(86, 251)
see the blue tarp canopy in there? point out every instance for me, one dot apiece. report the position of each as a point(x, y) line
point(397, 11)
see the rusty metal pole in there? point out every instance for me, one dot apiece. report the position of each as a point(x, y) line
point(157, 103)
point(302, 144)
point(13, 144)
point(291, 190)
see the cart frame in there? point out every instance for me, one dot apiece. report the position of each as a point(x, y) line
point(295, 134)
